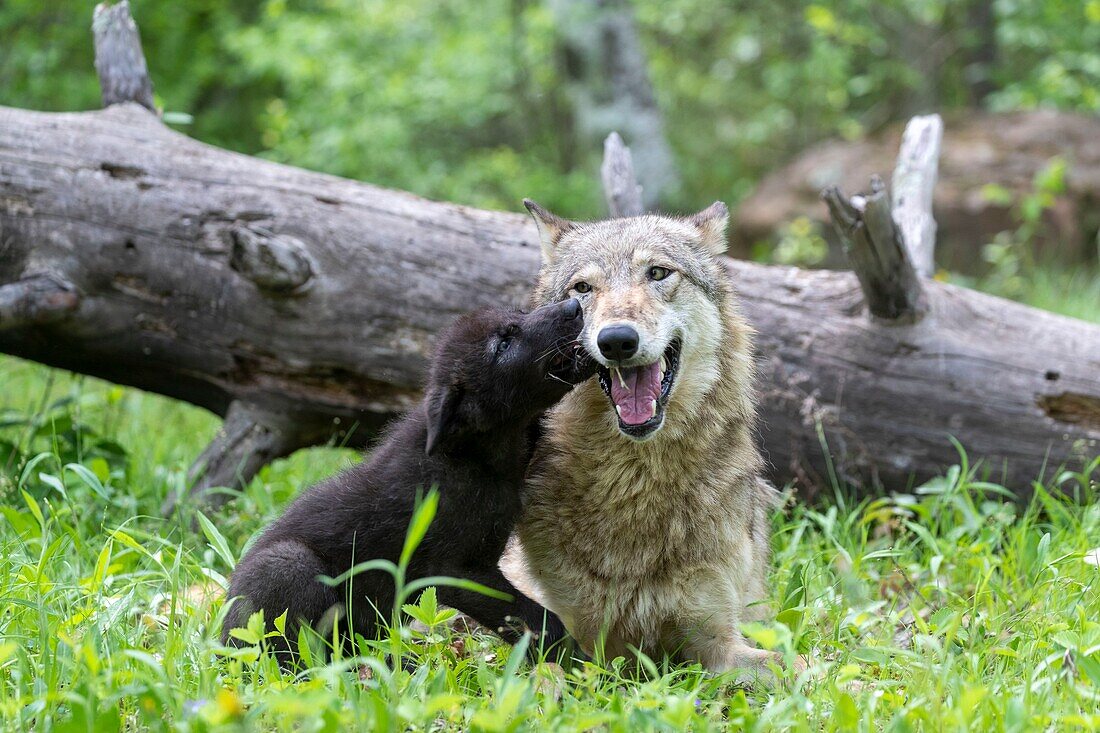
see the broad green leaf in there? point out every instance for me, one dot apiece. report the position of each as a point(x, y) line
point(280, 623)
point(101, 565)
point(217, 541)
point(54, 483)
point(248, 636)
point(305, 645)
point(28, 470)
point(89, 478)
point(35, 510)
point(845, 713)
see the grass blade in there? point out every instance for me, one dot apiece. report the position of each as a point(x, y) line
point(217, 541)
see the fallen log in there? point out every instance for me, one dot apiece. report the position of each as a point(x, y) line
point(300, 305)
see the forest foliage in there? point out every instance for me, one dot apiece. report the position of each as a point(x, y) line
point(464, 102)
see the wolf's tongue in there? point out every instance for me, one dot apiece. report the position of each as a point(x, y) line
point(633, 391)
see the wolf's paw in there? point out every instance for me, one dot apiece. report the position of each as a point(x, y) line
point(753, 666)
point(787, 669)
point(799, 665)
point(804, 668)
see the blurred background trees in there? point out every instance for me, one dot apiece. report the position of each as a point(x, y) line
point(484, 103)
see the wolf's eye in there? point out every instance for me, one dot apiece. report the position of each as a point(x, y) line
point(658, 273)
point(582, 287)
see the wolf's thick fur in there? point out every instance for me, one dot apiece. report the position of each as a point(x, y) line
point(660, 543)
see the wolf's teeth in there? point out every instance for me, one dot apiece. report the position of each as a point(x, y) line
point(619, 410)
point(653, 409)
point(615, 371)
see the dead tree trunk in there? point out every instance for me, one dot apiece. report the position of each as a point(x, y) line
point(299, 305)
point(308, 303)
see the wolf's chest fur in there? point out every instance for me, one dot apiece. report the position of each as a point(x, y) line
point(641, 508)
point(650, 542)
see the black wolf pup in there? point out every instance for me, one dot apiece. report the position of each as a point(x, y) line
point(495, 372)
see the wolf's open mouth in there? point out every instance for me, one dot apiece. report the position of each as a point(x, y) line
point(639, 394)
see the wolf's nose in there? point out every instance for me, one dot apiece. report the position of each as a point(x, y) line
point(617, 342)
point(570, 309)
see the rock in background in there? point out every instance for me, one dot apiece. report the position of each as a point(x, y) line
point(980, 151)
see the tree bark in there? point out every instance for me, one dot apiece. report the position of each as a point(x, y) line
point(620, 185)
point(119, 60)
point(306, 305)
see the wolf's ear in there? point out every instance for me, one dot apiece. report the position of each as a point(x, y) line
point(551, 227)
point(443, 417)
point(711, 223)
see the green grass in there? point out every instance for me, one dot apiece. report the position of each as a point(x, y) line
point(943, 609)
point(1071, 291)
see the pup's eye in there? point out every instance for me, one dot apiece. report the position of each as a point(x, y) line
point(503, 344)
point(582, 287)
point(658, 273)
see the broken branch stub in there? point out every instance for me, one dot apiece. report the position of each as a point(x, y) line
point(620, 186)
point(890, 241)
point(275, 262)
point(873, 243)
point(119, 60)
point(911, 189)
point(248, 439)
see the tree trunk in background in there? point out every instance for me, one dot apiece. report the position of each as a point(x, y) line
point(298, 304)
point(981, 49)
point(917, 46)
point(608, 83)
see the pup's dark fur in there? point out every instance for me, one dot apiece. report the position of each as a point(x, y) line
point(494, 374)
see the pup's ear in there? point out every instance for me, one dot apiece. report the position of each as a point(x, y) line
point(711, 223)
point(443, 415)
point(551, 227)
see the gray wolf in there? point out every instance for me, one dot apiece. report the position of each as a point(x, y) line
point(494, 374)
point(646, 521)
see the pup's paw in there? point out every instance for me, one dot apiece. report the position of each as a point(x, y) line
point(513, 628)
